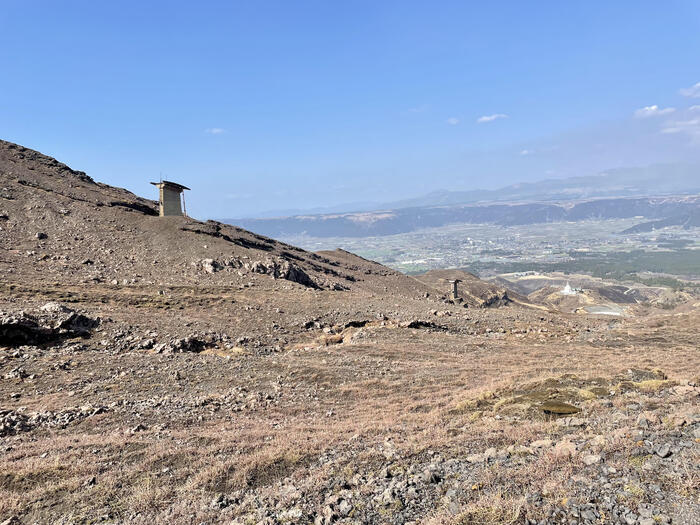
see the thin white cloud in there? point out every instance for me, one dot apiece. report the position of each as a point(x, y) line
point(692, 91)
point(453, 121)
point(491, 118)
point(215, 131)
point(681, 125)
point(652, 111)
point(689, 127)
point(526, 152)
point(694, 108)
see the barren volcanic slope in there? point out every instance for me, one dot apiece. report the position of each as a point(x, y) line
point(165, 370)
point(472, 290)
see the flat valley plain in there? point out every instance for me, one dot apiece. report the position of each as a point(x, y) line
point(591, 246)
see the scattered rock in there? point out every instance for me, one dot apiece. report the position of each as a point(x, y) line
point(663, 451)
point(17, 421)
point(591, 459)
point(565, 448)
point(571, 422)
point(647, 419)
point(55, 322)
point(210, 265)
point(541, 444)
point(421, 324)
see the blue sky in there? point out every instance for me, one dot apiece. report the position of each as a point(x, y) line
point(273, 105)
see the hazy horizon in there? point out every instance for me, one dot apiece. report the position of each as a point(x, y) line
point(378, 205)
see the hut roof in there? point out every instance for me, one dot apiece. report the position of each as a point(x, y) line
point(169, 184)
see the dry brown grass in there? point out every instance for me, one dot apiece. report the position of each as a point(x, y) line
point(423, 391)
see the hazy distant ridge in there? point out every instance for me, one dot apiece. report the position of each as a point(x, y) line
point(666, 179)
point(410, 219)
point(662, 195)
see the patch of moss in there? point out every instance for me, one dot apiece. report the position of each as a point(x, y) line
point(586, 394)
point(501, 402)
point(654, 385)
point(638, 461)
point(558, 408)
point(635, 491)
point(560, 396)
point(475, 415)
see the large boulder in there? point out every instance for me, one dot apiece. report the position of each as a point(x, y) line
point(52, 323)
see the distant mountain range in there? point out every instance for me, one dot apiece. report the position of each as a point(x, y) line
point(405, 220)
point(660, 179)
point(662, 195)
